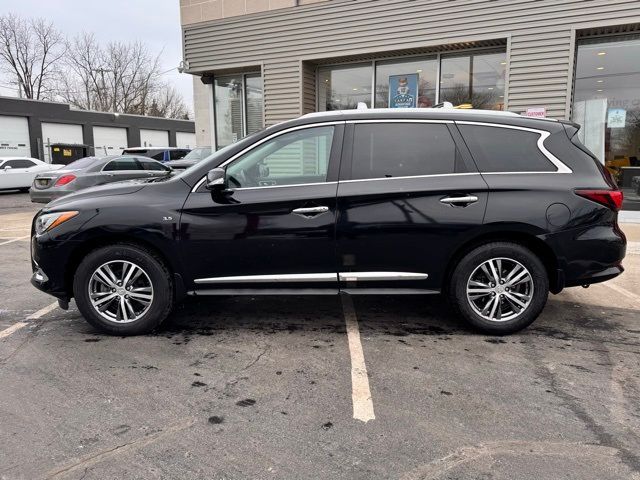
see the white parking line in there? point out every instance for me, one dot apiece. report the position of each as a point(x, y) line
point(15, 240)
point(623, 291)
point(360, 392)
point(17, 326)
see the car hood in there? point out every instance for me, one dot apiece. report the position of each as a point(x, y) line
point(107, 190)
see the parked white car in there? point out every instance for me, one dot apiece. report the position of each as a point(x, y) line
point(19, 172)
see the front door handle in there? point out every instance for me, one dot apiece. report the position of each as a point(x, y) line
point(310, 211)
point(461, 201)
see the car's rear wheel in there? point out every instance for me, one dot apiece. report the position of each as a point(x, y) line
point(123, 289)
point(499, 287)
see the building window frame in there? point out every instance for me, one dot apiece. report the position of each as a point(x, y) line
point(438, 56)
point(243, 76)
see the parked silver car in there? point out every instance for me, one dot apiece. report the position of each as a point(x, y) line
point(90, 171)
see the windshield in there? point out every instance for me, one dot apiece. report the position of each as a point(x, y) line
point(198, 153)
point(81, 163)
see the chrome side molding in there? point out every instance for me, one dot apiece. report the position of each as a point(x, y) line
point(316, 277)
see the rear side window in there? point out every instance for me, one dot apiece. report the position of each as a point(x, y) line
point(153, 166)
point(19, 164)
point(123, 163)
point(387, 150)
point(158, 156)
point(177, 154)
point(498, 149)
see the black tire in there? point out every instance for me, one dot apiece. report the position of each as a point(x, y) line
point(24, 190)
point(155, 270)
point(457, 289)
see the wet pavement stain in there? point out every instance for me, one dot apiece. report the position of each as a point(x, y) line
point(215, 420)
point(327, 426)
point(198, 384)
point(91, 340)
point(247, 402)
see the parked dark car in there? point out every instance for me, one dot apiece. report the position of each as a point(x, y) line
point(91, 171)
point(491, 209)
point(162, 154)
point(194, 156)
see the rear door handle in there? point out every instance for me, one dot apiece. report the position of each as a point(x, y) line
point(461, 201)
point(310, 211)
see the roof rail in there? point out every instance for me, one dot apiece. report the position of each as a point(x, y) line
point(440, 109)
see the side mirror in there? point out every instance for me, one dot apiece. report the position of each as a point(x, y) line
point(216, 180)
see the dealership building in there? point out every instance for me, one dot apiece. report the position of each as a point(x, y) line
point(39, 129)
point(259, 62)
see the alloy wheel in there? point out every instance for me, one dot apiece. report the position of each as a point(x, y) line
point(500, 289)
point(120, 291)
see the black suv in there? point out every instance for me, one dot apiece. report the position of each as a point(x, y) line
point(492, 209)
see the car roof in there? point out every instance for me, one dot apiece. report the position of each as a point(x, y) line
point(145, 149)
point(445, 113)
point(2, 159)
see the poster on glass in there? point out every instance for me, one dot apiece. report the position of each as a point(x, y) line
point(403, 91)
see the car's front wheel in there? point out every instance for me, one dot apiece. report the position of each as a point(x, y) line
point(499, 287)
point(123, 289)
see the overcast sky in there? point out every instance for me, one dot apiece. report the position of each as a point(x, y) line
point(154, 22)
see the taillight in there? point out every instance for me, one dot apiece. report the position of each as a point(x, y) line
point(608, 198)
point(63, 180)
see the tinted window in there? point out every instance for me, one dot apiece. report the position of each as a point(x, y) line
point(198, 153)
point(296, 157)
point(19, 164)
point(505, 149)
point(153, 166)
point(403, 149)
point(81, 163)
point(158, 156)
point(177, 154)
point(123, 163)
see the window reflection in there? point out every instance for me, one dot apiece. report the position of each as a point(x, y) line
point(342, 88)
point(427, 70)
point(607, 106)
point(229, 109)
point(476, 79)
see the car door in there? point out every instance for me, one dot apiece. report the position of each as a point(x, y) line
point(18, 175)
point(275, 225)
point(408, 195)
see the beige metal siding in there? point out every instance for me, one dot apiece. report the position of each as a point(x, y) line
point(540, 33)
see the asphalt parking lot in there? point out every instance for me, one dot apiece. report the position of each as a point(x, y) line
point(314, 387)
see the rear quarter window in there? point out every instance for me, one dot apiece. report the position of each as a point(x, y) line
point(497, 149)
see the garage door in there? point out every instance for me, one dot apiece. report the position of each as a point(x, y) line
point(154, 138)
point(185, 140)
point(109, 140)
point(60, 133)
point(14, 137)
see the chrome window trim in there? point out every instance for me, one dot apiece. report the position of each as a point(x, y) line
point(543, 135)
point(315, 277)
point(411, 176)
point(265, 139)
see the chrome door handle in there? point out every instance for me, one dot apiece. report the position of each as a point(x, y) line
point(310, 211)
point(466, 200)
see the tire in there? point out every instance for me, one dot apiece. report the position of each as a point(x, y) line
point(152, 289)
point(24, 190)
point(530, 290)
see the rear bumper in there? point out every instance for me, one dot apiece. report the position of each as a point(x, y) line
point(588, 255)
point(45, 196)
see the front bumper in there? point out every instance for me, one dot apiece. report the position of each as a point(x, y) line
point(48, 263)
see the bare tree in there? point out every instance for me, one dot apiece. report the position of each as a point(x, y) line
point(29, 52)
point(119, 77)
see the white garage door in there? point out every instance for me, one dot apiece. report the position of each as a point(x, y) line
point(185, 140)
point(154, 138)
point(14, 137)
point(60, 133)
point(109, 140)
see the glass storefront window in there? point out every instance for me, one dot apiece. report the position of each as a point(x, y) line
point(343, 87)
point(238, 107)
point(427, 70)
point(607, 105)
point(477, 79)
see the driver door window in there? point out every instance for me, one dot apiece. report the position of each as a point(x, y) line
point(294, 158)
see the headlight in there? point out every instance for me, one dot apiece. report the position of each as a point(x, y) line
point(48, 221)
